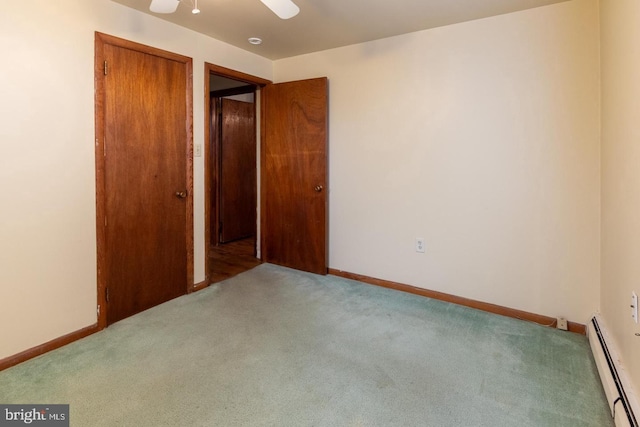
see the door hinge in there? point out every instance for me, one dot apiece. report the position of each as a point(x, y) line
point(105, 68)
point(98, 310)
point(106, 291)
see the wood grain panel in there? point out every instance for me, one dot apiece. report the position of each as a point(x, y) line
point(143, 156)
point(237, 171)
point(294, 175)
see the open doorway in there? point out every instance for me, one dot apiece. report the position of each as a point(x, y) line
point(232, 247)
point(291, 132)
point(232, 164)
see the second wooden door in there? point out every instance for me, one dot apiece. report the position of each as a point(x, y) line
point(146, 187)
point(294, 175)
point(237, 170)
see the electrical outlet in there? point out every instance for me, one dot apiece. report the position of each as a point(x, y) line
point(420, 244)
point(562, 323)
point(198, 150)
point(634, 307)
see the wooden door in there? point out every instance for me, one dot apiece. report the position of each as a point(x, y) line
point(294, 174)
point(237, 170)
point(147, 177)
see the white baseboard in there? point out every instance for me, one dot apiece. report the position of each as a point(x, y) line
point(621, 397)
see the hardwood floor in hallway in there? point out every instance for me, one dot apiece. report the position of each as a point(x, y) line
point(229, 259)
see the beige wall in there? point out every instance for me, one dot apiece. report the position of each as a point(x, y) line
point(620, 51)
point(481, 137)
point(47, 174)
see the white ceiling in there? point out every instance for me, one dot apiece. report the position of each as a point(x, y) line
point(325, 24)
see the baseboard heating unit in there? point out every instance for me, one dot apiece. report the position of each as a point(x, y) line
point(621, 398)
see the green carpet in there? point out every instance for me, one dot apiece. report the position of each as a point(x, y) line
point(278, 347)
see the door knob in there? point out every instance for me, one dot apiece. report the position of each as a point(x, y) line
point(181, 194)
point(318, 188)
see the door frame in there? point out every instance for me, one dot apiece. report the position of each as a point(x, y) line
point(101, 40)
point(209, 172)
point(216, 153)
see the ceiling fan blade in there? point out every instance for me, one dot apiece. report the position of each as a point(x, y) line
point(164, 6)
point(285, 9)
